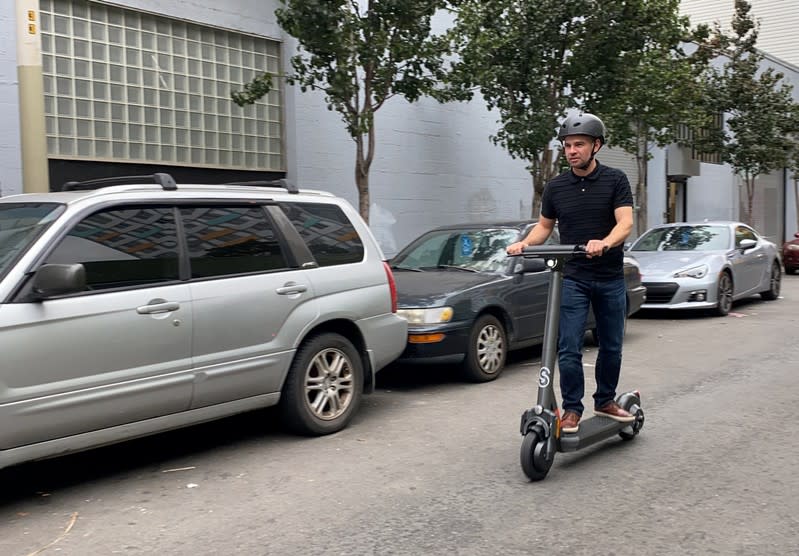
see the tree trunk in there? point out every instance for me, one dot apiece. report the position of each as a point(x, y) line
point(641, 217)
point(542, 170)
point(363, 162)
point(796, 198)
point(362, 180)
point(750, 195)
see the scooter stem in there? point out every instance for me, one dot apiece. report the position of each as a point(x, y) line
point(549, 350)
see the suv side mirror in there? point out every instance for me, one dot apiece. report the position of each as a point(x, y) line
point(524, 265)
point(58, 279)
point(747, 244)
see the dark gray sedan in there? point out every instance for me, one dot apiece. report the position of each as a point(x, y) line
point(464, 301)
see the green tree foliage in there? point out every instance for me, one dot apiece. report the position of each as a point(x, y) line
point(360, 54)
point(534, 60)
point(758, 103)
point(659, 94)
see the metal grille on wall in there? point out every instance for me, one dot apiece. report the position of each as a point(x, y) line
point(121, 85)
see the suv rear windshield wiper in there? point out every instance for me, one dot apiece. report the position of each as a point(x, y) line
point(397, 267)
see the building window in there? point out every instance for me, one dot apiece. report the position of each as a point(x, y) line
point(689, 136)
point(124, 85)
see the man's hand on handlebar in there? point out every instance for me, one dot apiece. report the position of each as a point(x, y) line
point(596, 248)
point(515, 248)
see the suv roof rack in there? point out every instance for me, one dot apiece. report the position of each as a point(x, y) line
point(282, 182)
point(166, 181)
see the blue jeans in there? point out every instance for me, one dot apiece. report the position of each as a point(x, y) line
point(609, 301)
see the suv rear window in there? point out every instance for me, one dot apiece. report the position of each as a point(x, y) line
point(327, 232)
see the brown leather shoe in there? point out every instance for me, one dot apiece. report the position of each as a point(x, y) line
point(615, 412)
point(569, 422)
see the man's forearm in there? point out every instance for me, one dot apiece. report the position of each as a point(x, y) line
point(618, 234)
point(538, 235)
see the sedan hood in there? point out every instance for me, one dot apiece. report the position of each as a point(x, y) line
point(432, 288)
point(658, 263)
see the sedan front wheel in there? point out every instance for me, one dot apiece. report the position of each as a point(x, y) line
point(487, 349)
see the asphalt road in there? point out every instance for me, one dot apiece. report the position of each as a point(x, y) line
point(431, 466)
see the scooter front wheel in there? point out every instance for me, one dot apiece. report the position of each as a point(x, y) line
point(635, 427)
point(536, 455)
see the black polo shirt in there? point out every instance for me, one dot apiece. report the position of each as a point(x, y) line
point(584, 209)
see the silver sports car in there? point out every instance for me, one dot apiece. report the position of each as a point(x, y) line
point(705, 265)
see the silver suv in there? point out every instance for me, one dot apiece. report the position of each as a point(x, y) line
point(129, 308)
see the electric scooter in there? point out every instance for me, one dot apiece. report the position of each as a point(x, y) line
point(540, 425)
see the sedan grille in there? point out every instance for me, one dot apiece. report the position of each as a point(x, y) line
point(660, 292)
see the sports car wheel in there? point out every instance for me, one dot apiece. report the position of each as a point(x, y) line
point(775, 281)
point(724, 299)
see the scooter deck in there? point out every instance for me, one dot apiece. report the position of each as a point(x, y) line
point(591, 430)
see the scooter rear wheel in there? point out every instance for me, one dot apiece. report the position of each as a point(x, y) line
point(536, 456)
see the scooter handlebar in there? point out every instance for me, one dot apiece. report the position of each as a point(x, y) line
point(565, 250)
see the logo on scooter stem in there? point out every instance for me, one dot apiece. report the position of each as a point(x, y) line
point(544, 376)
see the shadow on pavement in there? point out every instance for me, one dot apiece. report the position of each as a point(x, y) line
point(118, 462)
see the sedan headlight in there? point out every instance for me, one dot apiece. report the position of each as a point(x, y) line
point(693, 272)
point(436, 315)
point(793, 247)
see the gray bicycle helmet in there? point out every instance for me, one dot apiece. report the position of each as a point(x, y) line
point(583, 124)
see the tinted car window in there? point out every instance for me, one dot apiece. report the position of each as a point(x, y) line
point(123, 247)
point(230, 240)
point(742, 233)
point(327, 232)
point(684, 238)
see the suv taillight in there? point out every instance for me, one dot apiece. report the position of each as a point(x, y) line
point(392, 286)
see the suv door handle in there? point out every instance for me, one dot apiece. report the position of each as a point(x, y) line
point(158, 306)
point(291, 288)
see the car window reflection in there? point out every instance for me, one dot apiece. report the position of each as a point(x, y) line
point(684, 238)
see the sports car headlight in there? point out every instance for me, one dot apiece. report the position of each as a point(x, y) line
point(693, 272)
point(435, 315)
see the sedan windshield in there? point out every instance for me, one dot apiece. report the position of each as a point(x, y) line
point(20, 225)
point(471, 250)
point(684, 238)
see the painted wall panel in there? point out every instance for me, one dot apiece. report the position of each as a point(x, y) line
point(10, 163)
point(778, 22)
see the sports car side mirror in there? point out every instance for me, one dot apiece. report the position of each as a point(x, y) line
point(746, 244)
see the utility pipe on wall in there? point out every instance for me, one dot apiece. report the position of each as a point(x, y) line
point(33, 137)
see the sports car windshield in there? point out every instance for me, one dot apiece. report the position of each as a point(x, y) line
point(467, 250)
point(684, 238)
point(20, 225)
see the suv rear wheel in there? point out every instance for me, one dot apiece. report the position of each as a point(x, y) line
point(324, 386)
